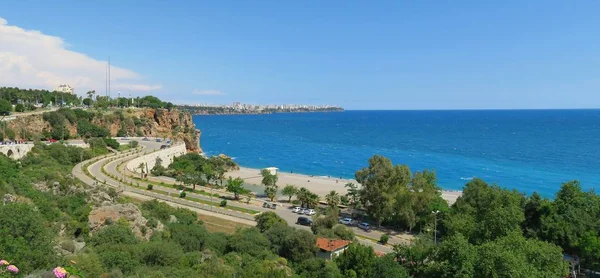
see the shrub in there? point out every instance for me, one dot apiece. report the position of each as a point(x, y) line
point(384, 239)
point(149, 186)
point(182, 194)
point(19, 108)
point(223, 203)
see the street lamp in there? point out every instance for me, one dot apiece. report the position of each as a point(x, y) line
point(435, 212)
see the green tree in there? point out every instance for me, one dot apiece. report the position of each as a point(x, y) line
point(318, 268)
point(270, 182)
point(24, 237)
point(358, 258)
point(142, 168)
point(289, 190)
point(381, 183)
point(299, 246)
point(353, 195)
point(515, 256)
point(386, 266)
point(19, 108)
point(87, 102)
point(333, 199)
point(5, 107)
point(268, 219)
point(236, 186)
point(249, 241)
point(484, 212)
point(158, 169)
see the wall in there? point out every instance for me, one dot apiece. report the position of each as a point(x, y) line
point(16, 151)
point(166, 155)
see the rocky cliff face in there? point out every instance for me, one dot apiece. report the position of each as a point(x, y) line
point(145, 122)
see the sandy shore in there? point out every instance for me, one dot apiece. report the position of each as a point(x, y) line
point(317, 184)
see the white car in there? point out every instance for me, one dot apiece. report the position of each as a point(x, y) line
point(297, 209)
point(346, 221)
point(310, 212)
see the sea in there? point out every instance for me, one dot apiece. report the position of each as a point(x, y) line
point(527, 150)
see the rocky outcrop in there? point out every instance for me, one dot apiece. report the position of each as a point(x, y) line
point(107, 215)
point(147, 122)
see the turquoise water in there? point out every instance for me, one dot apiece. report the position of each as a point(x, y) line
point(530, 150)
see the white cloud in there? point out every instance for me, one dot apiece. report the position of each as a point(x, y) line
point(29, 58)
point(207, 93)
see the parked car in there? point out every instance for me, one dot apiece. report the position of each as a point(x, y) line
point(125, 138)
point(145, 139)
point(346, 221)
point(158, 140)
point(365, 226)
point(297, 209)
point(304, 221)
point(310, 212)
point(163, 147)
point(269, 205)
point(51, 140)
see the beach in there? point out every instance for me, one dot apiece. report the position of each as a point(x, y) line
point(320, 185)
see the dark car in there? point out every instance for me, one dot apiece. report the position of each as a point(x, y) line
point(163, 147)
point(304, 221)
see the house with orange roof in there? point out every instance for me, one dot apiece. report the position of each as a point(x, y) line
point(331, 248)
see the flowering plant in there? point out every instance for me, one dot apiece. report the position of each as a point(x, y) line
point(59, 272)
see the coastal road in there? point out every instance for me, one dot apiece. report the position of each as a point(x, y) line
point(110, 167)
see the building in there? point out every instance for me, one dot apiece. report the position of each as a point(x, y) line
point(64, 89)
point(331, 248)
point(272, 170)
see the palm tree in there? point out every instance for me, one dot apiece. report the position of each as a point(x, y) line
point(91, 94)
point(289, 190)
point(303, 195)
point(313, 200)
point(141, 167)
point(333, 199)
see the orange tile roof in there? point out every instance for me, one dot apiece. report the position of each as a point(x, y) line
point(331, 244)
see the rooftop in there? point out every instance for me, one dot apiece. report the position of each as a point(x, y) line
point(331, 244)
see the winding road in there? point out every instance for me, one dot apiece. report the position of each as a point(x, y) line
point(114, 165)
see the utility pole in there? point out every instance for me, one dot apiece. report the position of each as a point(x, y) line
point(435, 213)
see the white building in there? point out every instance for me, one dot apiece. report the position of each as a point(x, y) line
point(64, 89)
point(331, 248)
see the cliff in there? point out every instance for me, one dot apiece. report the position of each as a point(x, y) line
point(143, 122)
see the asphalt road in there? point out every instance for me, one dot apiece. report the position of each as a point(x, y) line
point(95, 170)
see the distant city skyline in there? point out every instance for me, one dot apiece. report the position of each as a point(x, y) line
point(366, 55)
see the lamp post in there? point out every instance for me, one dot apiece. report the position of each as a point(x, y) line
point(435, 213)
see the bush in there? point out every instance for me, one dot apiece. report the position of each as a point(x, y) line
point(111, 143)
point(384, 239)
point(149, 186)
point(19, 108)
point(223, 203)
point(182, 194)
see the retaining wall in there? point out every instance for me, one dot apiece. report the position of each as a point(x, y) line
point(166, 155)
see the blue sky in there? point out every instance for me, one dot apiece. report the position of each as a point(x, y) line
point(367, 55)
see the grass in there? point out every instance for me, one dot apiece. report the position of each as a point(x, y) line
point(215, 204)
point(123, 147)
point(215, 224)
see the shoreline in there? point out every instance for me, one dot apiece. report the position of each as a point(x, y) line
point(320, 185)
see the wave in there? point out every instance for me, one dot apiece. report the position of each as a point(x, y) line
point(467, 179)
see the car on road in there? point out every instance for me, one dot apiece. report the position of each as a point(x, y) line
point(163, 147)
point(310, 212)
point(125, 138)
point(304, 221)
point(297, 210)
point(346, 221)
point(364, 226)
point(269, 205)
point(158, 140)
point(145, 139)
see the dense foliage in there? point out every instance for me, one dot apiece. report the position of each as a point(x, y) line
point(193, 169)
point(36, 96)
point(489, 232)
